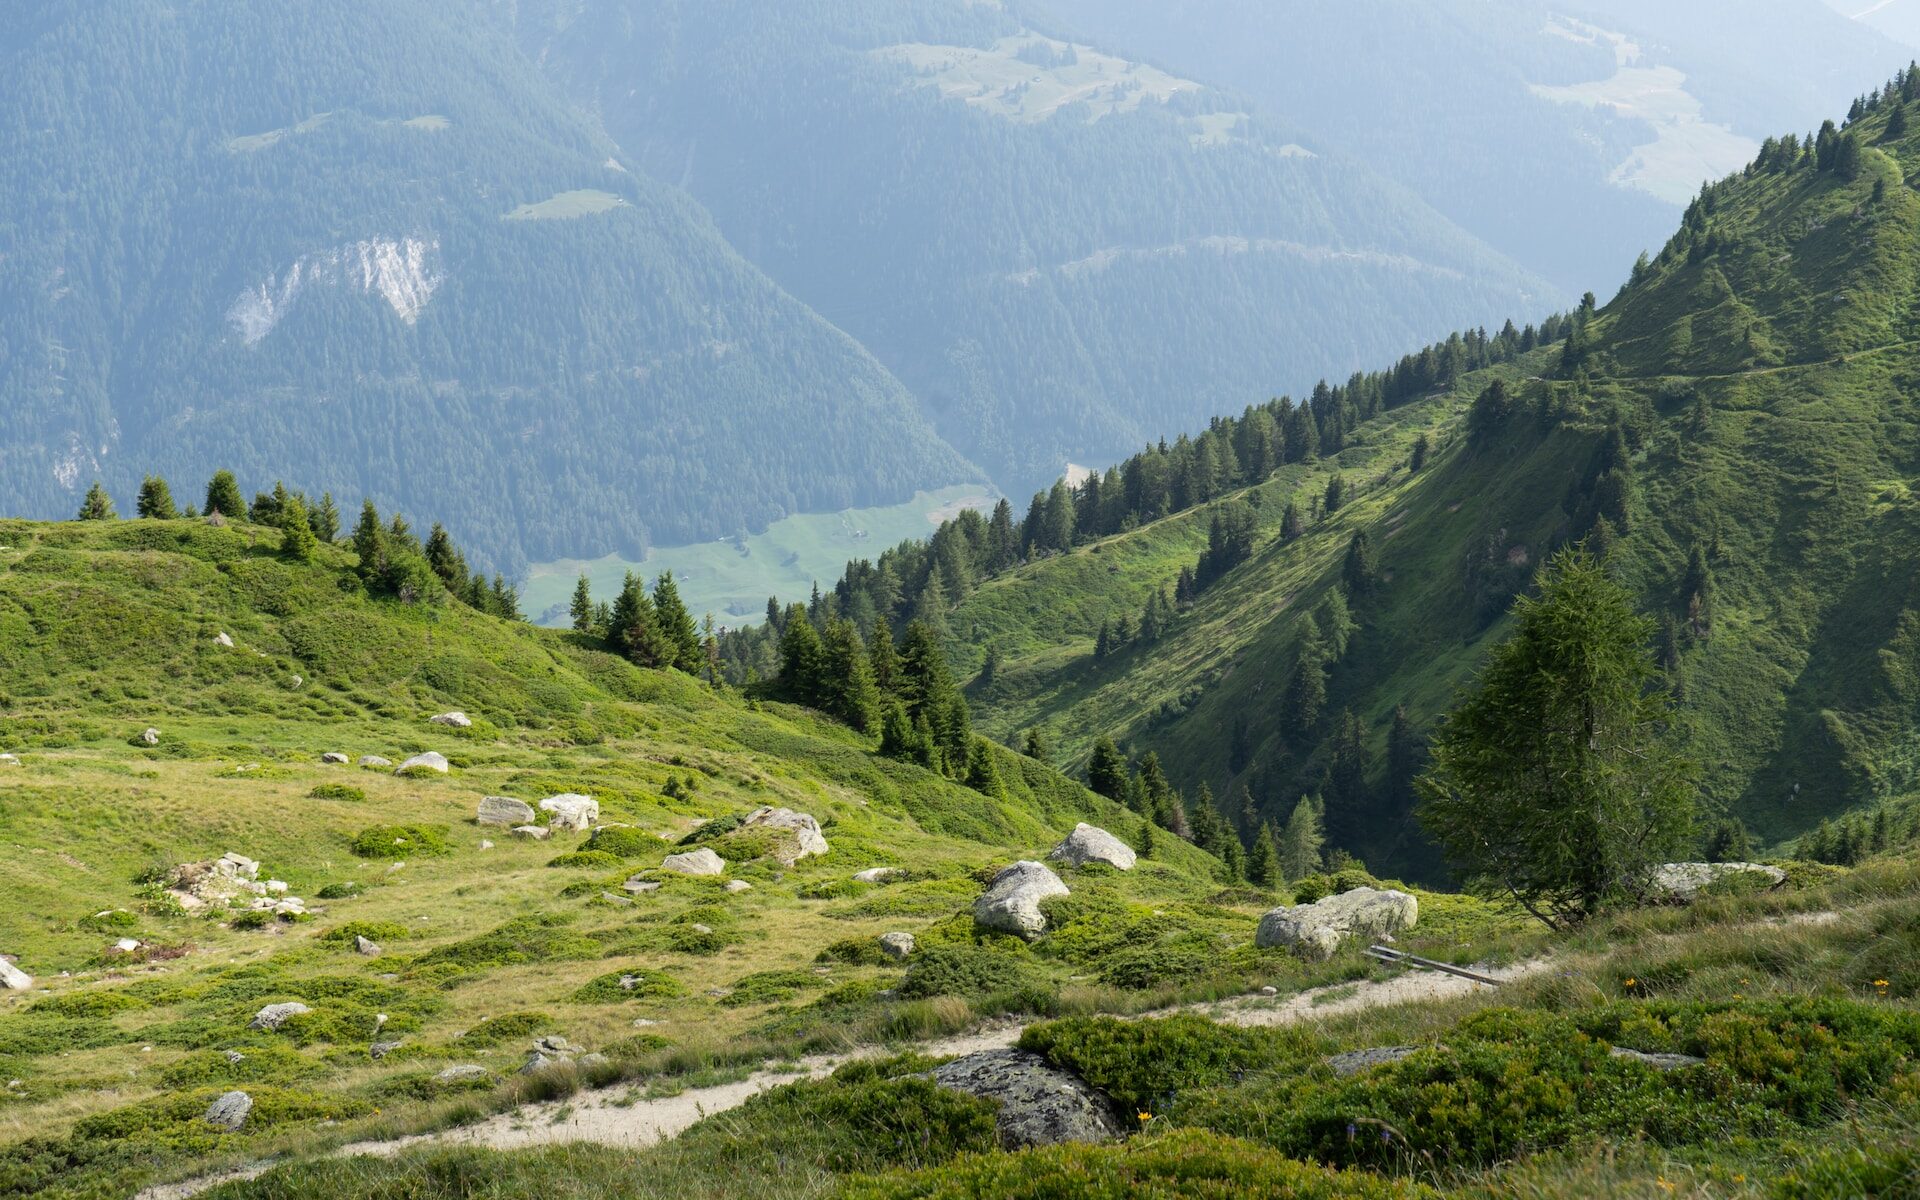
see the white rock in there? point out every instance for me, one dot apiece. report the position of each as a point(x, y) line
point(230, 1111)
point(374, 760)
point(878, 875)
point(462, 1072)
point(237, 865)
point(333, 756)
point(366, 946)
point(9, 760)
point(801, 833)
point(150, 736)
point(273, 1016)
point(570, 810)
point(485, 844)
point(538, 833)
point(1089, 843)
point(738, 885)
point(504, 810)
point(1682, 883)
point(12, 978)
point(224, 640)
point(695, 862)
point(640, 887)
point(127, 945)
point(1011, 902)
point(277, 886)
point(1316, 930)
point(897, 945)
point(457, 720)
point(432, 760)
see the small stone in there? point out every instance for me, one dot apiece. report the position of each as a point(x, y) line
point(127, 945)
point(504, 810)
point(150, 736)
point(277, 886)
point(12, 978)
point(230, 1111)
point(374, 760)
point(455, 720)
point(380, 1050)
point(431, 760)
point(1353, 1062)
point(538, 833)
point(1269, 990)
point(273, 1016)
point(234, 1057)
point(645, 1023)
point(9, 760)
point(610, 898)
point(334, 757)
point(485, 844)
point(641, 887)
point(878, 875)
point(897, 945)
point(366, 946)
point(738, 885)
point(224, 640)
point(462, 1072)
point(696, 862)
point(697, 927)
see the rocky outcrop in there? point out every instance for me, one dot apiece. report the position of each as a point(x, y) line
point(504, 810)
point(1355, 1061)
point(1657, 1060)
point(432, 760)
point(453, 720)
point(1316, 930)
point(896, 946)
point(570, 810)
point(1011, 903)
point(273, 1016)
point(1682, 883)
point(695, 862)
point(799, 834)
point(366, 947)
point(1040, 1105)
point(229, 1112)
point(1089, 843)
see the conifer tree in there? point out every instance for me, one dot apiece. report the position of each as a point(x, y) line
point(1303, 838)
point(1336, 494)
point(1291, 526)
point(156, 500)
point(802, 659)
point(1263, 860)
point(897, 735)
point(676, 624)
point(445, 560)
point(1347, 764)
point(643, 641)
point(297, 541)
point(1148, 838)
point(369, 538)
point(1306, 697)
point(1417, 461)
point(983, 775)
point(97, 506)
point(626, 610)
point(223, 497)
point(880, 654)
point(1036, 746)
point(325, 519)
point(1361, 571)
point(1107, 772)
point(1403, 759)
point(581, 607)
point(1001, 551)
point(845, 687)
point(503, 599)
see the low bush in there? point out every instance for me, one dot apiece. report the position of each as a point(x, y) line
point(592, 860)
point(117, 920)
point(373, 931)
point(402, 841)
point(768, 987)
point(346, 890)
point(622, 843)
point(336, 791)
point(1144, 1065)
point(855, 951)
point(544, 938)
point(634, 983)
point(968, 970)
point(506, 1028)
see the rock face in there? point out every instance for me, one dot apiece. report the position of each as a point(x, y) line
point(1682, 883)
point(1316, 930)
point(1040, 1105)
point(230, 1111)
point(333, 756)
point(503, 810)
point(1658, 1061)
point(1089, 843)
point(12, 978)
point(695, 862)
point(1011, 903)
point(455, 720)
point(570, 810)
point(801, 836)
point(1355, 1061)
point(897, 945)
point(432, 760)
point(878, 875)
point(273, 1016)
point(374, 760)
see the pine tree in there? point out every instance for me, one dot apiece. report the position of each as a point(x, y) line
point(882, 657)
point(297, 541)
point(1107, 772)
point(581, 607)
point(1001, 550)
point(897, 735)
point(1291, 526)
point(1306, 697)
point(1263, 860)
point(676, 624)
point(1418, 460)
point(846, 679)
point(325, 519)
point(1148, 838)
point(1696, 591)
point(1156, 793)
point(1036, 746)
point(1301, 841)
point(1347, 765)
point(1336, 494)
point(626, 609)
point(97, 506)
point(369, 537)
point(1361, 571)
point(983, 775)
point(1403, 759)
point(445, 559)
point(156, 500)
point(802, 658)
point(503, 599)
point(223, 497)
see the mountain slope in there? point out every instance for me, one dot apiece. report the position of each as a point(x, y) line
point(368, 250)
point(1759, 375)
point(1061, 252)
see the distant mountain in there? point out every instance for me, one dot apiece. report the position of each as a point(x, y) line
point(1061, 252)
point(1566, 135)
point(1898, 19)
point(367, 248)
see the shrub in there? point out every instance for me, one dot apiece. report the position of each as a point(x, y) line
point(855, 951)
point(647, 984)
point(402, 841)
point(506, 1028)
point(336, 791)
point(544, 938)
point(768, 987)
point(967, 970)
point(594, 860)
point(622, 843)
point(117, 920)
point(373, 931)
point(89, 1004)
point(258, 918)
point(339, 891)
point(1140, 1063)
point(258, 1064)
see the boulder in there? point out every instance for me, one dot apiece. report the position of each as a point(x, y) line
point(273, 1016)
point(333, 756)
point(374, 760)
point(1011, 902)
point(150, 736)
point(12, 978)
point(126, 945)
point(432, 760)
point(380, 1050)
point(503, 810)
point(694, 862)
point(9, 760)
point(1316, 930)
point(639, 886)
point(1040, 1105)
point(229, 1112)
point(738, 885)
point(366, 946)
point(1658, 1061)
point(896, 945)
point(1089, 843)
point(454, 720)
point(800, 833)
point(1682, 883)
point(538, 833)
point(462, 1073)
point(878, 875)
point(224, 640)
point(1355, 1061)
point(570, 810)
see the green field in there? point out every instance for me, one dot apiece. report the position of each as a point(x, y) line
point(732, 578)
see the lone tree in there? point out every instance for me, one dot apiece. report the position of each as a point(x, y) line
point(97, 506)
point(1554, 779)
point(156, 500)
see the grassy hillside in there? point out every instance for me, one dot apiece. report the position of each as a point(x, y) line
point(1759, 374)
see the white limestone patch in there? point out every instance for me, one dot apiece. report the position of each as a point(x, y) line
point(252, 142)
point(402, 271)
point(564, 206)
point(428, 123)
point(1226, 246)
point(1028, 78)
point(1686, 149)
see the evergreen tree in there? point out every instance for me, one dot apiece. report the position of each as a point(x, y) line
point(1403, 759)
point(444, 559)
point(924, 682)
point(1361, 571)
point(581, 608)
point(802, 659)
point(97, 506)
point(1263, 860)
point(1336, 493)
point(1107, 772)
point(626, 609)
point(503, 599)
point(1148, 838)
point(223, 497)
point(1291, 526)
point(1036, 746)
point(1306, 697)
point(881, 656)
point(1002, 550)
point(846, 679)
point(325, 519)
point(1347, 765)
point(297, 541)
point(676, 625)
point(1156, 793)
point(983, 775)
point(156, 500)
point(1696, 591)
point(1729, 841)
point(642, 640)
point(1554, 778)
point(369, 537)
point(1301, 841)
point(897, 738)
point(1418, 460)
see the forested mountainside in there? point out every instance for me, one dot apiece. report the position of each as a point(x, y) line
point(1059, 251)
point(1736, 430)
point(1623, 106)
point(369, 250)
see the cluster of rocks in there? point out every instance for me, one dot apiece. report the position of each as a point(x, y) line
point(228, 878)
point(568, 811)
point(1316, 930)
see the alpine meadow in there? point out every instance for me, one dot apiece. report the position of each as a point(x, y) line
point(1345, 617)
